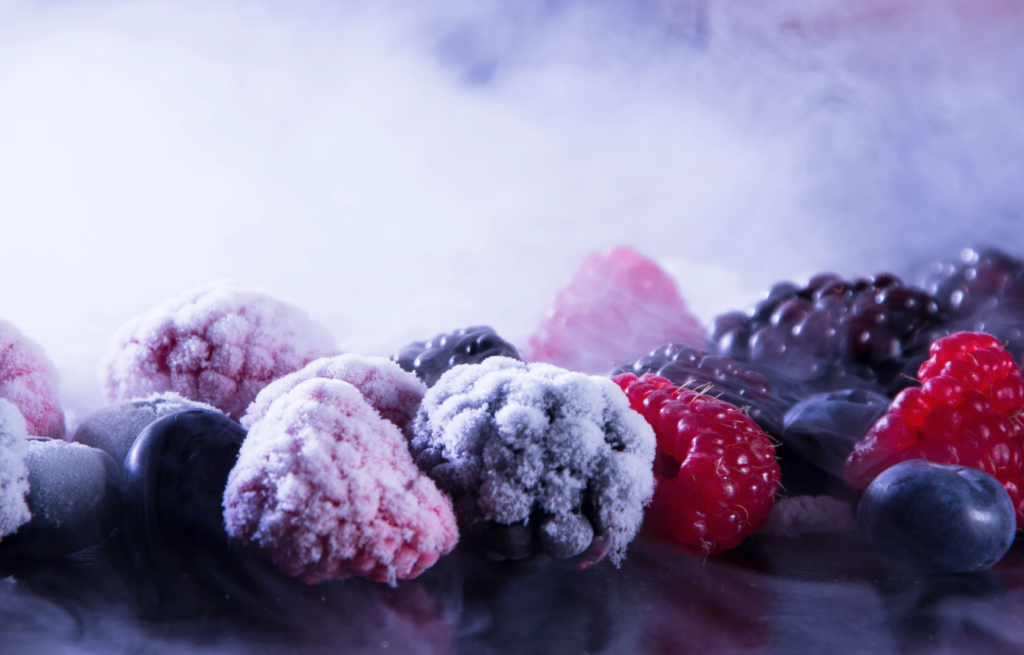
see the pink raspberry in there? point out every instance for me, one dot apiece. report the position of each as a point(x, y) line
point(616, 307)
point(219, 345)
point(29, 380)
point(326, 489)
point(394, 393)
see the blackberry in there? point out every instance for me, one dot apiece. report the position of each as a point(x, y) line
point(983, 292)
point(430, 359)
point(833, 333)
point(686, 366)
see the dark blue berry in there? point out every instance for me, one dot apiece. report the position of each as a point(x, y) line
point(429, 360)
point(174, 479)
point(947, 519)
point(73, 498)
point(824, 427)
point(113, 429)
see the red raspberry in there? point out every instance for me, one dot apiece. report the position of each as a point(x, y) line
point(617, 306)
point(967, 412)
point(715, 469)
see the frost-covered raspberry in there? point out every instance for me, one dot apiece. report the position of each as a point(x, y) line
point(616, 306)
point(29, 380)
point(219, 345)
point(326, 489)
point(14, 510)
point(716, 470)
point(537, 459)
point(394, 393)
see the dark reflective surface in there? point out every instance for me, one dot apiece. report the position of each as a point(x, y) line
point(819, 594)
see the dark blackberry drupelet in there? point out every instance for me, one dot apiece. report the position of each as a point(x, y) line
point(983, 291)
point(430, 359)
point(834, 333)
point(693, 368)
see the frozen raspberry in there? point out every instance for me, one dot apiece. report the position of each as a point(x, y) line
point(219, 345)
point(716, 470)
point(430, 359)
point(538, 460)
point(616, 306)
point(967, 412)
point(326, 489)
point(29, 380)
point(717, 375)
point(394, 393)
point(833, 333)
point(14, 510)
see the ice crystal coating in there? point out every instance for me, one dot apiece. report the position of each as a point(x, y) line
point(14, 510)
point(537, 458)
point(795, 517)
point(394, 393)
point(617, 306)
point(327, 489)
point(219, 345)
point(113, 429)
point(29, 380)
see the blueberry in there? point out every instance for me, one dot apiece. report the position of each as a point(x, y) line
point(174, 479)
point(429, 360)
point(73, 498)
point(824, 427)
point(113, 429)
point(946, 519)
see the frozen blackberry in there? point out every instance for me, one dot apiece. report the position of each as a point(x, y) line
point(537, 459)
point(686, 366)
point(430, 359)
point(833, 333)
point(983, 292)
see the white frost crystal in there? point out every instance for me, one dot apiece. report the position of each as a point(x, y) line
point(13, 473)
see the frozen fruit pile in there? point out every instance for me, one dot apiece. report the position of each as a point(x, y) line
point(238, 438)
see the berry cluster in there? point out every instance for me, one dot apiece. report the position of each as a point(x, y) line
point(716, 470)
point(833, 333)
point(967, 412)
point(716, 375)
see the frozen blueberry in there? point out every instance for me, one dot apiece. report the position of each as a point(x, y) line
point(430, 359)
point(113, 429)
point(73, 500)
point(174, 480)
point(824, 427)
point(947, 519)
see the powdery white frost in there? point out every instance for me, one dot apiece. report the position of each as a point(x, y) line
point(794, 517)
point(327, 489)
point(396, 394)
point(14, 510)
point(537, 442)
point(29, 380)
point(220, 345)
